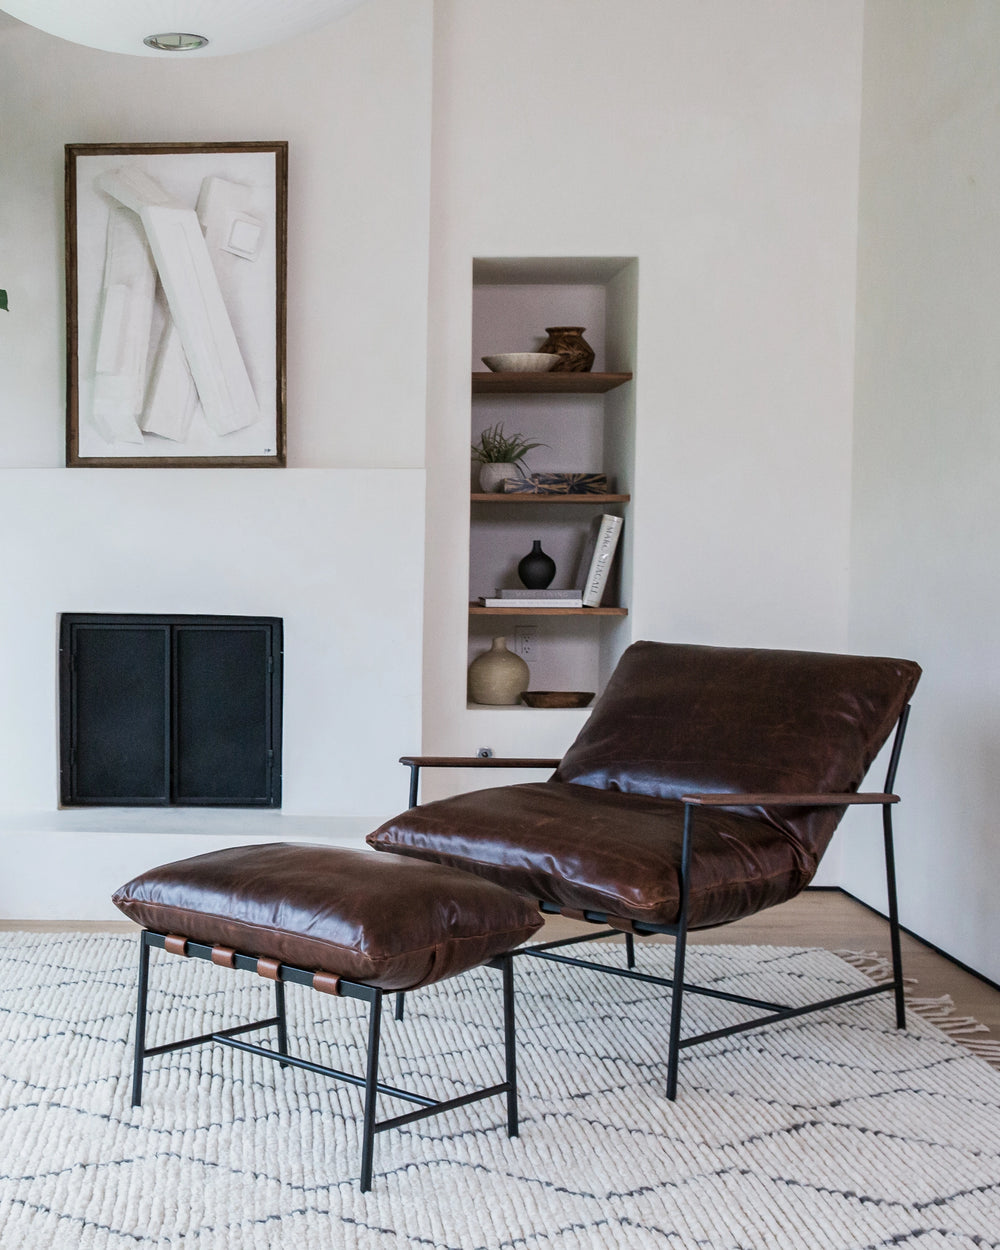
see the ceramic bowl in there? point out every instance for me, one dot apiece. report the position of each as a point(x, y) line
point(557, 698)
point(521, 362)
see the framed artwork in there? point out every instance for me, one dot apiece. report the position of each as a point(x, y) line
point(175, 304)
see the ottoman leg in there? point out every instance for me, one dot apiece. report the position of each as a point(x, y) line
point(371, 1092)
point(140, 1021)
point(509, 1047)
point(400, 1000)
point(282, 1026)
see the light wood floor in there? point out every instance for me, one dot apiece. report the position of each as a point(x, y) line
point(816, 918)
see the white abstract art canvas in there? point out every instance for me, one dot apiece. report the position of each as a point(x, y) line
point(175, 299)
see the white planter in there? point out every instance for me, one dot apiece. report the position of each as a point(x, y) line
point(491, 476)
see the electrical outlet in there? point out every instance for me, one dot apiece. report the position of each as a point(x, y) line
point(526, 642)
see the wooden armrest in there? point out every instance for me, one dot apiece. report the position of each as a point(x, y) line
point(472, 761)
point(785, 800)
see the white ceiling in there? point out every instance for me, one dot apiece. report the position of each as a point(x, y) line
point(230, 25)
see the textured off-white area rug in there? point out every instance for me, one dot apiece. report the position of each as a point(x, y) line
point(826, 1133)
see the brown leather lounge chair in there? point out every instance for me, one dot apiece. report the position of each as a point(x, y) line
point(704, 787)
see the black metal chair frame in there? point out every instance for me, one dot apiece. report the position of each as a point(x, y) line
point(281, 974)
point(775, 1012)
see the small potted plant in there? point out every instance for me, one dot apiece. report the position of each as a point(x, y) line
point(500, 455)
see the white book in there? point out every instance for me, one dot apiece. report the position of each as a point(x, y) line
point(518, 593)
point(570, 602)
point(606, 542)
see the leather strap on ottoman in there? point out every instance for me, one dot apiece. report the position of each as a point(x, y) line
point(388, 921)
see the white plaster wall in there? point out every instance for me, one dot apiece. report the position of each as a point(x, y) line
point(353, 101)
point(305, 546)
point(716, 142)
point(333, 544)
point(927, 450)
point(334, 553)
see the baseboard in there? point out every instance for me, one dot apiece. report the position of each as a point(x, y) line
point(839, 889)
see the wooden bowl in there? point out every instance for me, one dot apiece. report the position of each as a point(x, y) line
point(557, 698)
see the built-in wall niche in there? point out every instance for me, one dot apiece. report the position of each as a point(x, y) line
point(170, 711)
point(587, 423)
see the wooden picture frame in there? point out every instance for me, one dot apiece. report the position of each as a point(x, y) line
point(175, 305)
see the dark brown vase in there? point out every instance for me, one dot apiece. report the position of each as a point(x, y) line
point(575, 353)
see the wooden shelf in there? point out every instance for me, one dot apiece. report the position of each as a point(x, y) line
point(547, 383)
point(581, 712)
point(499, 497)
point(477, 609)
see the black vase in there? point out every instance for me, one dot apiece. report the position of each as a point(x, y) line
point(537, 569)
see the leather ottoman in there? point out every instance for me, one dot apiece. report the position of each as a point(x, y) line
point(348, 923)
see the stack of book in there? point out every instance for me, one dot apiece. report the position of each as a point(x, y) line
point(534, 599)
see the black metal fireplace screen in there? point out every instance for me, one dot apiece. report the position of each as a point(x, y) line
point(170, 710)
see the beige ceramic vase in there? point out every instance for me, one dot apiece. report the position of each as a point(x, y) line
point(498, 676)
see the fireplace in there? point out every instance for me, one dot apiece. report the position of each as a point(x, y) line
point(158, 711)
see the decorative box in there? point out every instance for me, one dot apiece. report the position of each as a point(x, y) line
point(557, 484)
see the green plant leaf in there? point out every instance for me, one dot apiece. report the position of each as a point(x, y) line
point(3, 300)
point(495, 446)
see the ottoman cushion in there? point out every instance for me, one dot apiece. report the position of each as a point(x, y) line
point(384, 920)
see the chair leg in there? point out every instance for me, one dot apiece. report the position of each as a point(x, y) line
point(680, 950)
point(279, 1011)
point(400, 1000)
point(897, 958)
point(677, 994)
point(140, 1021)
point(371, 1092)
point(509, 1044)
point(629, 950)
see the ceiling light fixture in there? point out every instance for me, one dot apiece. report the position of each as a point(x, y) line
point(175, 42)
point(224, 26)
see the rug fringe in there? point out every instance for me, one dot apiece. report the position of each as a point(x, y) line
point(937, 1011)
point(871, 963)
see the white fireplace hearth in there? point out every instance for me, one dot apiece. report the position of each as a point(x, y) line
point(337, 554)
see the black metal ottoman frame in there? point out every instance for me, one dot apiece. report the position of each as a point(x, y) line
point(281, 974)
point(775, 1011)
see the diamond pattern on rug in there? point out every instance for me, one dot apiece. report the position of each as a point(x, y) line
point(831, 1132)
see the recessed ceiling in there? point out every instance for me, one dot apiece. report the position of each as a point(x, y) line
point(547, 270)
point(227, 25)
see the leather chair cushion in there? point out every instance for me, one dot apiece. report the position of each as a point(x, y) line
point(383, 920)
point(605, 851)
point(676, 719)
